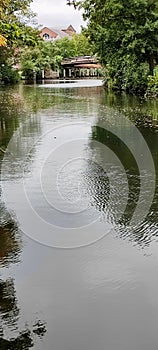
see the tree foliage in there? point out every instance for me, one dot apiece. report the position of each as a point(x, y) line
point(3, 41)
point(14, 34)
point(78, 45)
point(48, 55)
point(125, 36)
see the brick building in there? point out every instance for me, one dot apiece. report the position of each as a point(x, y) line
point(51, 34)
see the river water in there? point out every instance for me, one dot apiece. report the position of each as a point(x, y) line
point(78, 225)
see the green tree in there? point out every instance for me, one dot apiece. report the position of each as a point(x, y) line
point(15, 33)
point(14, 15)
point(82, 45)
point(48, 55)
point(125, 36)
point(78, 45)
point(35, 59)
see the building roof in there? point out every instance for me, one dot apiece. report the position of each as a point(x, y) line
point(70, 28)
point(59, 32)
point(88, 65)
point(81, 62)
point(78, 61)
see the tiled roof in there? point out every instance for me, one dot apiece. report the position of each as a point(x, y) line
point(59, 32)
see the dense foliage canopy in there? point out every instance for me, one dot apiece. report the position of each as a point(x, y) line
point(123, 33)
point(14, 34)
point(21, 45)
point(125, 36)
point(48, 55)
point(13, 21)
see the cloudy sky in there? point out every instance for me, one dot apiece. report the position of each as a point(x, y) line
point(57, 14)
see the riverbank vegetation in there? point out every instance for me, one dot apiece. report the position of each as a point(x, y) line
point(23, 51)
point(48, 55)
point(15, 33)
point(125, 37)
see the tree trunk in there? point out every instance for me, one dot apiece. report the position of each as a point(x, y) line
point(151, 64)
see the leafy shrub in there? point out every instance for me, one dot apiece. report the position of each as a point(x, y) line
point(152, 89)
point(127, 75)
point(8, 75)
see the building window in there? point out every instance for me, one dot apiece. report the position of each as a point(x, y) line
point(45, 36)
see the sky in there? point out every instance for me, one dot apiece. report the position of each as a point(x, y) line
point(57, 14)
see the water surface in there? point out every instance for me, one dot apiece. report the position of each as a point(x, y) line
point(80, 277)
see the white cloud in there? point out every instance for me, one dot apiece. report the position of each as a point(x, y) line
point(57, 14)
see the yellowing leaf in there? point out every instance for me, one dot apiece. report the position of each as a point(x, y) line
point(3, 41)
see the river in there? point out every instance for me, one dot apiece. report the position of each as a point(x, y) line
point(78, 224)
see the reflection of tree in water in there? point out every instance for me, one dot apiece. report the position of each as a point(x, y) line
point(8, 303)
point(130, 168)
point(10, 242)
point(149, 130)
point(13, 109)
point(22, 342)
point(10, 248)
point(10, 109)
point(97, 185)
point(143, 234)
point(9, 315)
point(25, 339)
